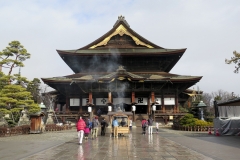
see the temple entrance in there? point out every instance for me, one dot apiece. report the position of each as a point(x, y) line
point(99, 110)
point(141, 109)
point(123, 106)
point(74, 108)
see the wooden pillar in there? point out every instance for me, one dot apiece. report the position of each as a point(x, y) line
point(174, 107)
point(67, 104)
point(109, 97)
point(133, 97)
point(163, 106)
point(133, 102)
point(153, 101)
point(189, 103)
point(149, 107)
point(80, 106)
point(152, 97)
point(91, 102)
point(176, 103)
point(90, 97)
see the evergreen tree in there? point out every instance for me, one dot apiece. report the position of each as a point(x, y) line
point(13, 56)
point(236, 60)
point(34, 87)
point(14, 97)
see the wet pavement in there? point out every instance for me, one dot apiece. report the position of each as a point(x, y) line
point(166, 145)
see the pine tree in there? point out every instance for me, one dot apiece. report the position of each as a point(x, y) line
point(236, 60)
point(13, 56)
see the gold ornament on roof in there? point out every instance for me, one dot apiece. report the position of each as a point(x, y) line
point(121, 30)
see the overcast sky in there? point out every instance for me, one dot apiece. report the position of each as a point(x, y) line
point(210, 30)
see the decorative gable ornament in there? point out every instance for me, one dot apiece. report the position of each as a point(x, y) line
point(121, 30)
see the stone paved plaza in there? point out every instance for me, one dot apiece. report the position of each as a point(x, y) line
point(166, 145)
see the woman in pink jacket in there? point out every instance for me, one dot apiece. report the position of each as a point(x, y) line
point(80, 129)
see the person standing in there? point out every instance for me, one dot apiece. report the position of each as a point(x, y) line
point(103, 127)
point(144, 126)
point(150, 125)
point(123, 122)
point(80, 129)
point(115, 127)
point(130, 124)
point(157, 127)
point(87, 129)
point(94, 129)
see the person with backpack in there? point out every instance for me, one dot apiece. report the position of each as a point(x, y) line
point(150, 125)
point(144, 126)
point(94, 129)
point(80, 129)
point(103, 127)
point(87, 129)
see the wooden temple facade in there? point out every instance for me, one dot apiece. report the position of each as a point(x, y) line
point(121, 69)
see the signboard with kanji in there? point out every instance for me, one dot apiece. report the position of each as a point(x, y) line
point(141, 101)
point(101, 101)
point(85, 101)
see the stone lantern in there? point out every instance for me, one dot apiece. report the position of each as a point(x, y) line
point(44, 110)
point(201, 105)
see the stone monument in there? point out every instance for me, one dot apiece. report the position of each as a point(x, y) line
point(50, 117)
point(23, 120)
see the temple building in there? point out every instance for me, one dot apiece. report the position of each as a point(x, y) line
point(121, 69)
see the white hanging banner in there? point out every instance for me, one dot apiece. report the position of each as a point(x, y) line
point(141, 101)
point(121, 100)
point(101, 101)
point(85, 101)
point(74, 102)
point(158, 100)
point(169, 101)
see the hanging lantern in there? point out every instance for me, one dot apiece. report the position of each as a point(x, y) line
point(154, 108)
point(109, 108)
point(133, 108)
point(89, 109)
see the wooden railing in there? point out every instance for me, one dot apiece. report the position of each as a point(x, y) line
point(54, 127)
point(20, 130)
point(167, 111)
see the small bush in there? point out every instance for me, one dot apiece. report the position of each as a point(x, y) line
point(189, 120)
point(201, 123)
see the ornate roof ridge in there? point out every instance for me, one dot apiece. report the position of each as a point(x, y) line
point(121, 18)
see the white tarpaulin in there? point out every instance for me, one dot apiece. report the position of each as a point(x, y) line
point(229, 111)
point(228, 122)
point(229, 126)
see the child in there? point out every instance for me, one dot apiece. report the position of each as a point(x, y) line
point(144, 126)
point(86, 133)
point(157, 125)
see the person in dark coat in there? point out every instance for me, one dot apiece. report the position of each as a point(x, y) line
point(103, 127)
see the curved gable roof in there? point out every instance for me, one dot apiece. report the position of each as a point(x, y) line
point(120, 26)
